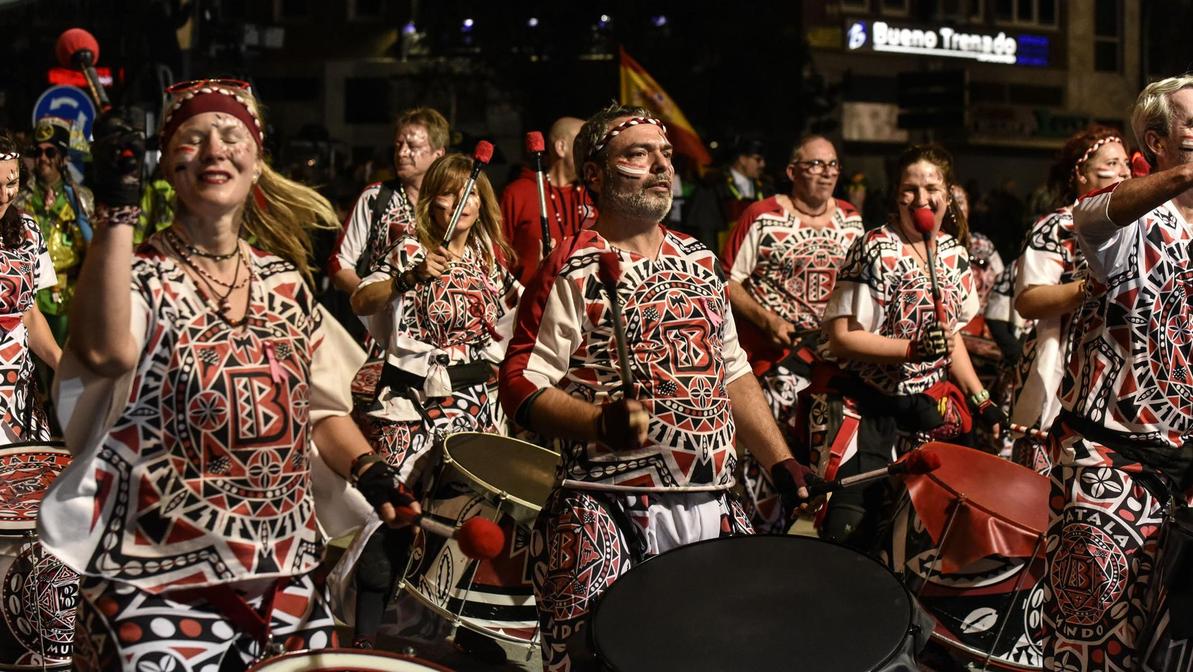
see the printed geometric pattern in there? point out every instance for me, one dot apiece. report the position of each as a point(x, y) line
point(20, 269)
point(25, 474)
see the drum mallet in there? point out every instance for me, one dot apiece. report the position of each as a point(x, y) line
point(919, 461)
point(925, 223)
point(77, 48)
point(609, 271)
point(480, 158)
point(1029, 431)
point(479, 538)
point(535, 146)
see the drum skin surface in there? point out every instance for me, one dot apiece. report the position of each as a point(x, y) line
point(343, 660)
point(522, 470)
point(753, 603)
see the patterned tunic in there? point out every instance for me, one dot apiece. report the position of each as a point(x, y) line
point(790, 268)
point(23, 271)
point(986, 265)
point(887, 291)
point(1051, 257)
point(360, 232)
point(193, 468)
point(683, 354)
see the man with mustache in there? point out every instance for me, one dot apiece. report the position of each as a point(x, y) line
point(782, 260)
point(643, 474)
point(1122, 435)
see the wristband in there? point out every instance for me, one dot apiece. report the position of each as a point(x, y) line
point(977, 398)
point(360, 462)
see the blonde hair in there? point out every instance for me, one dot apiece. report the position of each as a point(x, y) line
point(1153, 110)
point(279, 212)
point(447, 176)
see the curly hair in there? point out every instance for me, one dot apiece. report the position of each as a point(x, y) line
point(1062, 177)
point(954, 222)
point(12, 229)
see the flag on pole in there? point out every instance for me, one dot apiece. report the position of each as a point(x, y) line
point(639, 88)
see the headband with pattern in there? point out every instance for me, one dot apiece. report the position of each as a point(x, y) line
point(210, 99)
point(618, 129)
point(1093, 149)
point(9, 156)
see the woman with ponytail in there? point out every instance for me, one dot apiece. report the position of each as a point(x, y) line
point(198, 375)
point(25, 267)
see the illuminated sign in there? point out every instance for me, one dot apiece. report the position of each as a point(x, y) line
point(947, 42)
point(72, 77)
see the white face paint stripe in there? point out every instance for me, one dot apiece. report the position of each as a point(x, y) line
point(1106, 173)
point(630, 171)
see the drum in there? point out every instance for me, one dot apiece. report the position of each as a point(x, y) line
point(753, 603)
point(969, 543)
point(507, 481)
point(1167, 643)
point(38, 595)
point(344, 660)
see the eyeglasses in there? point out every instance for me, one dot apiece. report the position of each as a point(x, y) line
point(190, 85)
point(818, 167)
point(38, 152)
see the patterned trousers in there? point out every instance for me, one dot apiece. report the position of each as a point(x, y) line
point(120, 627)
point(1103, 535)
point(583, 541)
point(781, 387)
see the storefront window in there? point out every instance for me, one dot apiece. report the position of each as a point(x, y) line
point(1039, 13)
point(1108, 31)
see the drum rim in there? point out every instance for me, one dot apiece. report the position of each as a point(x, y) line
point(363, 652)
point(8, 534)
point(910, 615)
point(55, 444)
point(501, 494)
point(468, 623)
point(978, 654)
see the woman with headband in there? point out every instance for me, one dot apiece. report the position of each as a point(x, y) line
point(25, 268)
point(199, 373)
point(1050, 284)
point(453, 307)
point(908, 377)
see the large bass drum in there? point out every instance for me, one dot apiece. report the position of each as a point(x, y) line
point(38, 595)
point(344, 660)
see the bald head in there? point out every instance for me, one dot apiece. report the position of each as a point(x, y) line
point(560, 138)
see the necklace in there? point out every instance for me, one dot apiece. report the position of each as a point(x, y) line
point(822, 212)
point(222, 300)
point(180, 241)
point(183, 252)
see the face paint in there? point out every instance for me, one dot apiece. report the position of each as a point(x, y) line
point(1106, 174)
point(630, 170)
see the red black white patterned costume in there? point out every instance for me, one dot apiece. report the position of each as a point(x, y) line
point(192, 475)
point(790, 269)
point(1051, 256)
point(23, 271)
point(615, 507)
point(986, 265)
point(362, 234)
point(1121, 437)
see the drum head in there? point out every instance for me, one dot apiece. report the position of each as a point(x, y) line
point(753, 603)
point(522, 471)
point(339, 660)
point(26, 472)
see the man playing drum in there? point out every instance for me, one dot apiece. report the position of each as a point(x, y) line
point(1122, 436)
point(645, 474)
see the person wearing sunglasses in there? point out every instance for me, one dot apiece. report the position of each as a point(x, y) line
point(200, 376)
point(63, 210)
point(782, 260)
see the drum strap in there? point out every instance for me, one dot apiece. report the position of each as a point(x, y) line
point(634, 536)
point(256, 623)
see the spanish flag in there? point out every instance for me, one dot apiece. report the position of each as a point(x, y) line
point(639, 88)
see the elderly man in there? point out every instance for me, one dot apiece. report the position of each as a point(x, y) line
point(644, 473)
point(1123, 433)
point(782, 260)
point(384, 211)
point(569, 208)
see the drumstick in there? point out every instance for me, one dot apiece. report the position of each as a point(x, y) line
point(479, 538)
point(919, 461)
point(480, 158)
point(925, 223)
point(609, 271)
point(535, 146)
point(1029, 431)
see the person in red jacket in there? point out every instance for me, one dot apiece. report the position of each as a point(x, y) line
point(569, 207)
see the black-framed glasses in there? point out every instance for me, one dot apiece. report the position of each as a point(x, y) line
point(38, 152)
point(818, 167)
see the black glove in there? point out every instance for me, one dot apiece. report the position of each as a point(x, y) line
point(117, 156)
point(992, 416)
point(932, 344)
point(789, 476)
point(380, 485)
point(613, 426)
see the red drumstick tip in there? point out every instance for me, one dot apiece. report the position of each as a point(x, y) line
point(535, 142)
point(73, 41)
point(483, 152)
point(609, 268)
point(921, 461)
point(924, 219)
point(480, 539)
